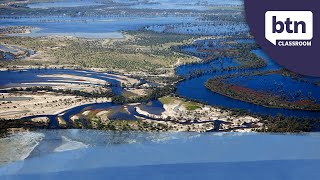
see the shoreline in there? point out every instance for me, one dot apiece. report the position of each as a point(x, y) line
point(23, 68)
point(238, 97)
point(104, 70)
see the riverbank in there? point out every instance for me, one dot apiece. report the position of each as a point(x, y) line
point(176, 114)
point(134, 84)
point(278, 98)
point(24, 104)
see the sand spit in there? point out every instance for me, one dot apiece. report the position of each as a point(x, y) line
point(82, 79)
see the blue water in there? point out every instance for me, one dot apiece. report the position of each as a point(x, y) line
point(207, 67)
point(191, 88)
point(182, 2)
point(117, 112)
point(271, 64)
point(7, 49)
point(159, 4)
point(143, 155)
point(185, 4)
point(170, 6)
point(280, 86)
point(8, 52)
point(153, 107)
point(7, 57)
point(245, 41)
point(88, 27)
point(15, 78)
point(69, 4)
point(195, 89)
point(214, 28)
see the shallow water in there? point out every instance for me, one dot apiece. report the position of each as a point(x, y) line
point(7, 57)
point(170, 155)
point(191, 88)
point(111, 27)
point(88, 27)
point(47, 5)
point(18, 78)
point(184, 4)
point(8, 49)
point(207, 67)
point(153, 107)
point(170, 6)
point(216, 28)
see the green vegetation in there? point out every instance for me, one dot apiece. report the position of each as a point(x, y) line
point(153, 95)
point(157, 40)
point(217, 49)
point(289, 124)
point(142, 51)
point(189, 105)
point(6, 124)
point(167, 100)
point(150, 54)
point(124, 125)
point(220, 86)
point(95, 94)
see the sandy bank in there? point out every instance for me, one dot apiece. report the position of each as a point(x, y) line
point(41, 104)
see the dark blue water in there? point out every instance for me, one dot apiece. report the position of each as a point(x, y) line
point(153, 107)
point(192, 88)
point(15, 78)
point(195, 89)
point(271, 65)
point(206, 67)
point(117, 112)
point(279, 85)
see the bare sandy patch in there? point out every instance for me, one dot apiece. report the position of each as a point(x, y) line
point(82, 79)
point(140, 92)
point(41, 104)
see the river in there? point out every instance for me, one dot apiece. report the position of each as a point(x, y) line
point(194, 88)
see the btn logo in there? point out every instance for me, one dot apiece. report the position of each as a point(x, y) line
point(289, 28)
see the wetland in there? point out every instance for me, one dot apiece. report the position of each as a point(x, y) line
point(112, 69)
